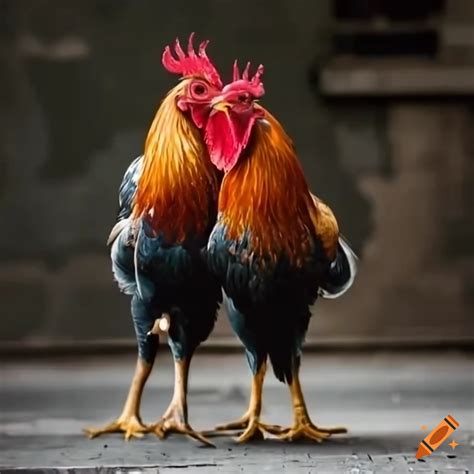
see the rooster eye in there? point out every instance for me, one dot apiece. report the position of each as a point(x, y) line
point(243, 98)
point(199, 89)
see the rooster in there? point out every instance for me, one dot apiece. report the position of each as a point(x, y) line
point(168, 203)
point(275, 248)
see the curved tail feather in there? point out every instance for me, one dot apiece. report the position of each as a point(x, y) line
point(117, 230)
point(342, 272)
point(122, 259)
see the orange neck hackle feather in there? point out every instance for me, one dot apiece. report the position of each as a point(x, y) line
point(266, 194)
point(178, 186)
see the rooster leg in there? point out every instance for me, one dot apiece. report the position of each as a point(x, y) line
point(250, 421)
point(129, 421)
point(303, 427)
point(175, 418)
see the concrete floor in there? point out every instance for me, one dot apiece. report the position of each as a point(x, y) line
point(383, 398)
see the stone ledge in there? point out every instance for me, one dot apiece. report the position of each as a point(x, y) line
point(350, 77)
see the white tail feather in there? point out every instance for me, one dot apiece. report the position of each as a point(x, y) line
point(353, 264)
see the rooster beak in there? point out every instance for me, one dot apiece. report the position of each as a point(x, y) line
point(219, 104)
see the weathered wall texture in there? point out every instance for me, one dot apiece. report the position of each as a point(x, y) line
point(417, 272)
point(79, 84)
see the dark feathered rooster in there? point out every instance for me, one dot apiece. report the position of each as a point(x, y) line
point(275, 248)
point(168, 201)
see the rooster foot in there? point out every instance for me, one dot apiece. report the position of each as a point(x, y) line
point(220, 430)
point(248, 423)
point(130, 426)
point(305, 429)
point(253, 429)
point(169, 425)
point(256, 430)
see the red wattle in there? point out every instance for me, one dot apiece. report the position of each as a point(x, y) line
point(226, 136)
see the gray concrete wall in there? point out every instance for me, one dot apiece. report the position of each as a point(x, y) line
point(80, 83)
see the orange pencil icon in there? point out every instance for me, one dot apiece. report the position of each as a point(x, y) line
point(437, 437)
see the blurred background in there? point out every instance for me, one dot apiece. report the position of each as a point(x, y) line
point(376, 94)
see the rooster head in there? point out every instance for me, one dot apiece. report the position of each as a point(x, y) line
point(201, 82)
point(233, 116)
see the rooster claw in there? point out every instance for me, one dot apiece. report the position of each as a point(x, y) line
point(252, 428)
point(332, 431)
point(131, 427)
point(304, 429)
point(165, 427)
point(256, 431)
point(228, 429)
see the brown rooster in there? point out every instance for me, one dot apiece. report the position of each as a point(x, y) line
point(275, 248)
point(168, 201)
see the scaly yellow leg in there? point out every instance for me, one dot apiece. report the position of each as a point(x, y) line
point(250, 421)
point(175, 418)
point(129, 421)
point(303, 427)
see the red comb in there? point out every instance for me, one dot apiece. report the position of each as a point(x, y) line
point(192, 63)
point(245, 75)
point(253, 85)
